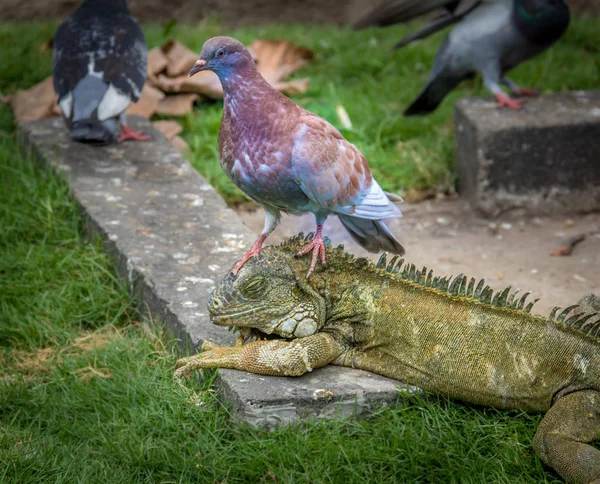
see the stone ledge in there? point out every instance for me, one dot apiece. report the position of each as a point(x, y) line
point(543, 158)
point(172, 237)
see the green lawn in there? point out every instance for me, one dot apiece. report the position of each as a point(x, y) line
point(86, 393)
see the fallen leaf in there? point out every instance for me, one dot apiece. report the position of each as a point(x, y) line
point(278, 59)
point(157, 61)
point(205, 83)
point(148, 102)
point(500, 275)
point(168, 127)
point(180, 58)
point(35, 103)
point(177, 104)
point(293, 88)
point(180, 144)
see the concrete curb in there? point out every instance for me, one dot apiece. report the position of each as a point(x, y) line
point(542, 158)
point(172, 237)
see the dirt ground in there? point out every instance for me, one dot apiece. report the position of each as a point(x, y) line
point(514, 250)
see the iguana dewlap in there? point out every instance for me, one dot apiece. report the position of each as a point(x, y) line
point(450, 336)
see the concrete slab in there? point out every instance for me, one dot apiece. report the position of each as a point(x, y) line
point(543, 158)
point(172, 238)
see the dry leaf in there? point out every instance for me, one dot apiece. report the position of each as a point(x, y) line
point(180, 58)
point(176, 105)
point(168, 127)
point(206, 83)
point(277, 59)
point(171, 129)
point(148, 102)
point(293, 88)
point(157, 61)
point(35, 103)
point(180, 144)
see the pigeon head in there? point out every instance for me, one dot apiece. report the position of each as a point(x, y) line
point(541, 21)
point(222, 55)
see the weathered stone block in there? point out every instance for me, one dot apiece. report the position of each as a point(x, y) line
point(544, 158)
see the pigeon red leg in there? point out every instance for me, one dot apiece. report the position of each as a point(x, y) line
point(317, 246)
point(128, 133)
point(253, 252)
point(504, 101)
point(271, 221)
point(517, 90)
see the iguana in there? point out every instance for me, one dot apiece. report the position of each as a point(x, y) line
point(445, 335)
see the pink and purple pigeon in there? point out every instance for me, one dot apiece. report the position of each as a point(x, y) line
point(291, 160)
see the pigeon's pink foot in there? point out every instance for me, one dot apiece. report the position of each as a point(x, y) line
point(253, 252)
point(128, 133)
point(504, 101)
point(317, 246)
point(524, 91)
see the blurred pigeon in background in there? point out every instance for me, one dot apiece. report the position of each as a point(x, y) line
point(99, 68)
point(492, 37)
point(291, 160)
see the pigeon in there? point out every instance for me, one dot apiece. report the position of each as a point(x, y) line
point(290, 160)
point(491, 37)
point(99, 68)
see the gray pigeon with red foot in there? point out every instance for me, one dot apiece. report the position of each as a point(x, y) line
point(99, 69)
point(291, 160)
point(491, 37)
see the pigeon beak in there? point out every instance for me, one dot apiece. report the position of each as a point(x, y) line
point(198, 66)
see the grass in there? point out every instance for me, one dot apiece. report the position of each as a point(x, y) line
point(354, 69)
point(86, 393)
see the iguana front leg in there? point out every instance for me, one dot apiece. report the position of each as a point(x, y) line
point(272, 357)
point(562, 437)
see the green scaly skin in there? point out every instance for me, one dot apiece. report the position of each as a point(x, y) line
point(448, 336)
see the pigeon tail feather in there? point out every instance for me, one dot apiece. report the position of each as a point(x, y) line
point(432, 27)
point(373, 235)
point(94, 132)
point(431, 96)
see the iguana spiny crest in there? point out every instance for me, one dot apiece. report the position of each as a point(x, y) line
point(273, 286)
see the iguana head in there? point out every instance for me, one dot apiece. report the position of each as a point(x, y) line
point(267, 295)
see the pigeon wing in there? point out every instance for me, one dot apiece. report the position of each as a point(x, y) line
point(334, 174)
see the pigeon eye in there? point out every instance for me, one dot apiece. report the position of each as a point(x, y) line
point(221, 53)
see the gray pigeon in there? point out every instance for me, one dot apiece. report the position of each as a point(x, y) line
point(99, 68)
point(492, 37)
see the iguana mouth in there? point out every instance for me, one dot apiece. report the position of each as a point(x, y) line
point(229, 319)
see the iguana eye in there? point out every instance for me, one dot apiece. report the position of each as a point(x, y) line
point(254, 288)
